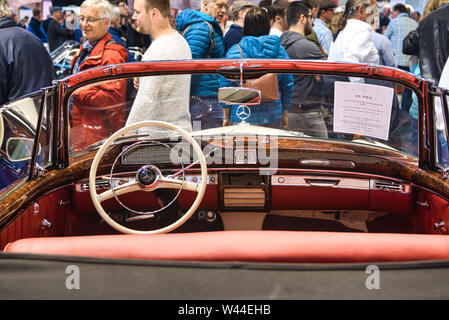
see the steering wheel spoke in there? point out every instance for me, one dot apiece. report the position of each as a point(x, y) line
point(120, 190)
point(171, 183)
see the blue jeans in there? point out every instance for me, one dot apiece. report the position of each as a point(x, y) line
point(205, 111)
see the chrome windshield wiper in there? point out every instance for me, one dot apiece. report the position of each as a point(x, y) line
point(100, 143)
point(129, 137)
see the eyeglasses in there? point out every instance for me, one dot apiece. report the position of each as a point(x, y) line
point(310, 15)
point(89, 20)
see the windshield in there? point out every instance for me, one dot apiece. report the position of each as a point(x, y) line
point(334, 108)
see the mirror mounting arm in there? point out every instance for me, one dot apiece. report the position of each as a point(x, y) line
point(40, 170)
point(241, 73)
point(445, 173)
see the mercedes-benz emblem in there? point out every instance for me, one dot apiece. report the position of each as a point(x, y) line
point(147, 175)
point(243, 112)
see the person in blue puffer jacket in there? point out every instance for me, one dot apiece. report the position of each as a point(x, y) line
point(205, 38)
point(256, 43)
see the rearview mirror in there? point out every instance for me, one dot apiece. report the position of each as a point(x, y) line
point(19, 149)
point(239, 95)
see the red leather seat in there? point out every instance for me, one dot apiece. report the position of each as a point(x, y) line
point(253, 246)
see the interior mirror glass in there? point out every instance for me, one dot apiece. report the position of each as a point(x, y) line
point(239, 95)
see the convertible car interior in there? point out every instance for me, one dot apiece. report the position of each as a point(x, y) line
point(373, 189)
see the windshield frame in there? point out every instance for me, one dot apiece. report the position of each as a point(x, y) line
point(36, 132)
point(443, 95)
point(253, 68)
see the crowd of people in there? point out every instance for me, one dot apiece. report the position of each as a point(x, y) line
point(307, 29)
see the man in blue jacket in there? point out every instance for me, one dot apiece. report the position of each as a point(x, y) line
point(35, 26)
point(235, 33)
point(25, 65)
point(205, 38)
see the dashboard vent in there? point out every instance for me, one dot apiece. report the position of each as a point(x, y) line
point(387, 185)
point(244, 197)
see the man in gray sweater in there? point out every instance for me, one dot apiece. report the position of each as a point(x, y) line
point(162, 98)
point(305, 114)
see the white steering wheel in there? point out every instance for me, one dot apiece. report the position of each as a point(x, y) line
point(148, 178)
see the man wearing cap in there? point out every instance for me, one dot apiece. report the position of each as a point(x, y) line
point(56, 33)
point(238, 12)
point(325, 15)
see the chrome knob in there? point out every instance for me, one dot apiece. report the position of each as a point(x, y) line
point(46, 225)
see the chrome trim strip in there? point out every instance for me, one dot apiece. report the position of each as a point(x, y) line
point(320, 181)
point(83, 185)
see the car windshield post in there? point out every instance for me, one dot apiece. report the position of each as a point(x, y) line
point(62, 145)
point(34, 165)
point(445, 114)
point(426, 151)
point(445, 110)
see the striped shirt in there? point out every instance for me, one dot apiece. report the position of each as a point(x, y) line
point(396, 31)
point(324, 34)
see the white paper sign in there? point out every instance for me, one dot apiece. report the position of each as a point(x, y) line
point(363, 109)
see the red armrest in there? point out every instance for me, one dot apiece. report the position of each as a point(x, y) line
point(252, 246)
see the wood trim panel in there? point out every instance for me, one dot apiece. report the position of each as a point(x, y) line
point(367, 160)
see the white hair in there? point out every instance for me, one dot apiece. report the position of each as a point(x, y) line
point(115, 12)
point(4, 9)
point(209, 2)
point(104, 7)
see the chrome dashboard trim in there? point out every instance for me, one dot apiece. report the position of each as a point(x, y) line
point(320, 181)
point(83, 186)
